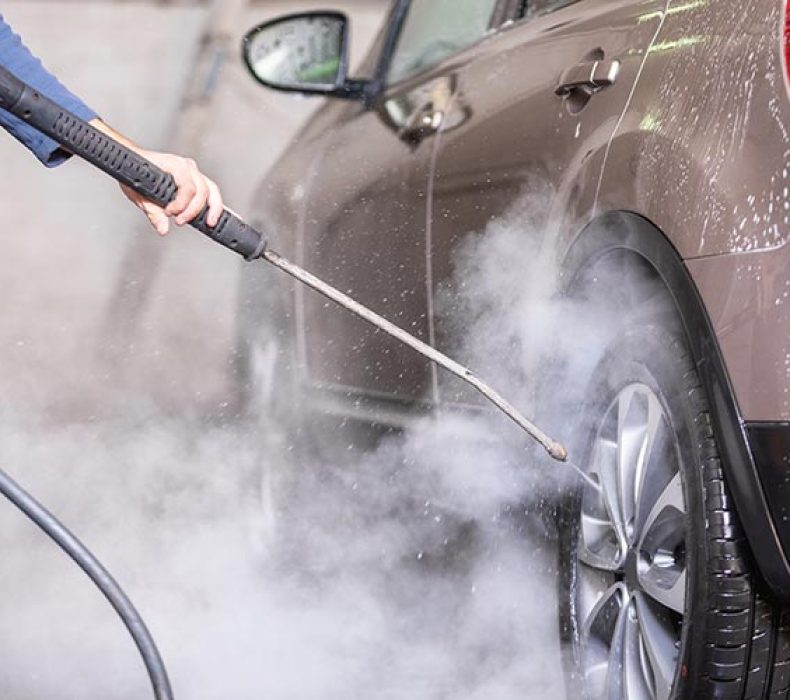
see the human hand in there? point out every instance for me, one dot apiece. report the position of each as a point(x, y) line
point(195, 191)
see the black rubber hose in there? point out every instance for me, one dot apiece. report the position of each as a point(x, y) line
point(69, 543)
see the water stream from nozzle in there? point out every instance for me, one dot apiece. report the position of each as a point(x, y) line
point(586, 477)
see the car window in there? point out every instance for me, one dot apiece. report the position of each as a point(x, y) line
point(535, 8)
point(435, 29)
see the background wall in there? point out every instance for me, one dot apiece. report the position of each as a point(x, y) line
point(81, 272)
point(114, 349)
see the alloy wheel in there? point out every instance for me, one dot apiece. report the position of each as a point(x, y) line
point(630, 591)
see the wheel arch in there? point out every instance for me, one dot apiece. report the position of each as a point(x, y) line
point(623, 232)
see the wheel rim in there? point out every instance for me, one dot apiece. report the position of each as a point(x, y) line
point(631, 574)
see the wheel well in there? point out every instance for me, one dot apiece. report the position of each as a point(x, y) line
point(639, 248)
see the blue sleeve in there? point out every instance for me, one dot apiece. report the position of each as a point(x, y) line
point(15, 56)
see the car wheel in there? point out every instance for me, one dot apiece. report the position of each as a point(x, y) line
point(659, 595)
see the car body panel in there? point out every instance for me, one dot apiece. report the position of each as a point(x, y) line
point(704, 148)
point(524, 143)
point(687, 153)
point(747, 296)
point(365, 230)
point(689, 157)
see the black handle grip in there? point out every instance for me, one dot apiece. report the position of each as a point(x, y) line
point(11, 89)
point(118, 161)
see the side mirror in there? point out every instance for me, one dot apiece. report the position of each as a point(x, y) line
point(305, 53)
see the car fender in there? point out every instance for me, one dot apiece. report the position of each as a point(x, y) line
point(673, 187)
point(619, 232)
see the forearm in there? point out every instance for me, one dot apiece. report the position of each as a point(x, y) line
point(115, 135)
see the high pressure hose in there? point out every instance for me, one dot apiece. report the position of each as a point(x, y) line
point(130, 169)
point(104, 581)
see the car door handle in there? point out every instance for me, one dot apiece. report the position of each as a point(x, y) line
point(592, 76)
point(425, 122)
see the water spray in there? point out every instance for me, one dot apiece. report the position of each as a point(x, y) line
point(130, 169)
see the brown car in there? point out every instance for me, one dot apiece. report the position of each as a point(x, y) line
point(662, 130)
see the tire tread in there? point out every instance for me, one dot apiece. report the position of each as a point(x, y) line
point(749, 650)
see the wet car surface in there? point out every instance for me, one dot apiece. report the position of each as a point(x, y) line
point(651, 138)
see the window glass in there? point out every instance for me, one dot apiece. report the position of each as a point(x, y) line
point(534, 8)
point(435, 29)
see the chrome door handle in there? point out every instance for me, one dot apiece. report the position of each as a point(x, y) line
point(423, 123)
point(591, 77)
point(428, 119)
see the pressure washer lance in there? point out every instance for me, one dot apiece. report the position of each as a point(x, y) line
point(130, 169)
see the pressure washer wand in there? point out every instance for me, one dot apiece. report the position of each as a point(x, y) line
point(144, 177)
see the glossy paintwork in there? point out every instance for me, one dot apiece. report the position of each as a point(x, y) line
point(747, 296)
point(692, 136)
point(524, 142)
point(703, 152)
point(364, 230)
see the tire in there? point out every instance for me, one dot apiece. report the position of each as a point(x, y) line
point(659, 596)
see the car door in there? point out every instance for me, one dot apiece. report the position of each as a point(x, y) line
point(544, 97)
point(365, 223)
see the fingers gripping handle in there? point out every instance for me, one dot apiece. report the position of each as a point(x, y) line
point(118, 161)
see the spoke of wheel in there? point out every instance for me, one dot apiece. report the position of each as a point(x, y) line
point(671, 497)
point(672, 597)
point(592, 585)
point(599, 544)
point(654, 430)
point(661, 465)
point(639, 416)
point(592, 550)
point(631, 422)
point(606, 469)
point(600, 633)
point(616, 661)
point(637, 683)
point(659, 641)
point(664, 579)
